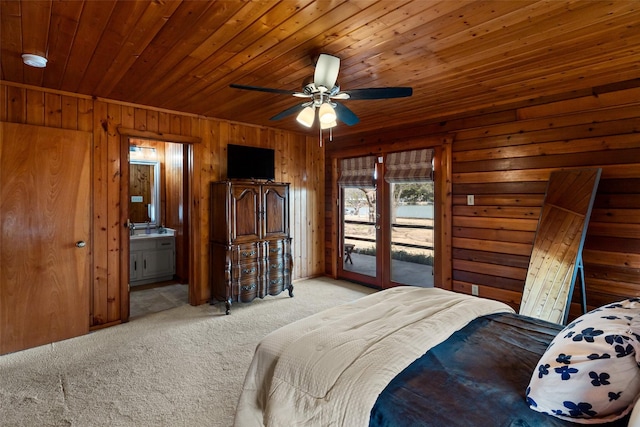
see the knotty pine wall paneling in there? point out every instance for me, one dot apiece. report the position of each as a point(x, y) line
point(117, 306)
point(175, 214)
point(102, 303)
point(331, 217)
point(299, 161)
point(313, 185)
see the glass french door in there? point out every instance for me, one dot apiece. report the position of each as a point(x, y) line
point(387, 230)
point(411, 207)
point(361, 229)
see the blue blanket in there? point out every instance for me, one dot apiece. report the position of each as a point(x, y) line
point(477, 377)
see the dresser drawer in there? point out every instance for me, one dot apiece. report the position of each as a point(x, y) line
point(245, 271)
point(276, 248)
point(247, 289)
point(275, 266)
point(243, 253)
point(278, 283)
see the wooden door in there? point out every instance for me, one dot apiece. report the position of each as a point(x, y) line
point(275, 206)
point(44, 235)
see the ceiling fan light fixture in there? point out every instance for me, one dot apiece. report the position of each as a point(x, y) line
point(327, 114)
point(328, 125)
point(306, 117)
point(36, 61)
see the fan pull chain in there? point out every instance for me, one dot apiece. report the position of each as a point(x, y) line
point(330, 135)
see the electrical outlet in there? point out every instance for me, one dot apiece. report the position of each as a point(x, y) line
point(470, 200)
point(474, 290)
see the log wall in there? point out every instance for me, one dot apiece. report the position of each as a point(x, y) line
point(505, 158)
point(299, 161)
point(506, 166)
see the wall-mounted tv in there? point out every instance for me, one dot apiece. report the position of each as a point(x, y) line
point(245, 162)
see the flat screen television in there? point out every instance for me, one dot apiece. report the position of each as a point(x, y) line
point(245, 162)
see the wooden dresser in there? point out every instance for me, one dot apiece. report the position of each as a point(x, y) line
point(250, 244)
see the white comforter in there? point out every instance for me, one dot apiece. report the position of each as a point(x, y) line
point(328, 369)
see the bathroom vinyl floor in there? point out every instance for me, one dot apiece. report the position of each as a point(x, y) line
point(147, 299)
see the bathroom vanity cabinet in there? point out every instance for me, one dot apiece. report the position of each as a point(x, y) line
point(152, 259)
point(250, 245)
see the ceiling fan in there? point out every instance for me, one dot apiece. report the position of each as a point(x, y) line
point(322, 92)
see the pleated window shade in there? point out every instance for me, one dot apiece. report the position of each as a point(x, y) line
point(357, 172)
point(409, 166)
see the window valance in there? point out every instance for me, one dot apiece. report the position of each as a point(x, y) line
point(357, 172)
point(409, 166)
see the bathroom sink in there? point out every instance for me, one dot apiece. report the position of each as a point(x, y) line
point(143, 235)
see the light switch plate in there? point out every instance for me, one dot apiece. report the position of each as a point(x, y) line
point(470, 200)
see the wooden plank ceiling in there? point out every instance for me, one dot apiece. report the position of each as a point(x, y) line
point(458, 56)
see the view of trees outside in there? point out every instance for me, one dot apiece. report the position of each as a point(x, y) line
point(360, 203)
point(359, 227)
point(412, 222)
point(412, 214)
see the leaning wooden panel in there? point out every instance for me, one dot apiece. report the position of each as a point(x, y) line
point(557, 249)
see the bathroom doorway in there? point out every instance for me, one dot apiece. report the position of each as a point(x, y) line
point(157, 189)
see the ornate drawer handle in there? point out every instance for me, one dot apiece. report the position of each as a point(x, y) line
point(274, 250)
point(248, 287)
point(276, 266)
point(248, 254)
point(275, 281)
point(248, 270)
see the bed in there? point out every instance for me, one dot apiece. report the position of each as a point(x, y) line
point(418, 356)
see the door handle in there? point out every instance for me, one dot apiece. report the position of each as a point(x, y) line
point(80, 244)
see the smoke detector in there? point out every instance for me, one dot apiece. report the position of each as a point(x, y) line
point(34, 60)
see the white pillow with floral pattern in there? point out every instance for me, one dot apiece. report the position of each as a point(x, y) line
point(590, 373)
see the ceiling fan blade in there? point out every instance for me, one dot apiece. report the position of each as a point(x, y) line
point(326, 72)
point(289, 111)
point(263, 89)
point(378, 93)
point(345, 115)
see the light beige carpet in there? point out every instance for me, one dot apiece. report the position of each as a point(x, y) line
point(180, 367)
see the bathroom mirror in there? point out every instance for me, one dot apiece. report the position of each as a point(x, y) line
point(144, 192)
